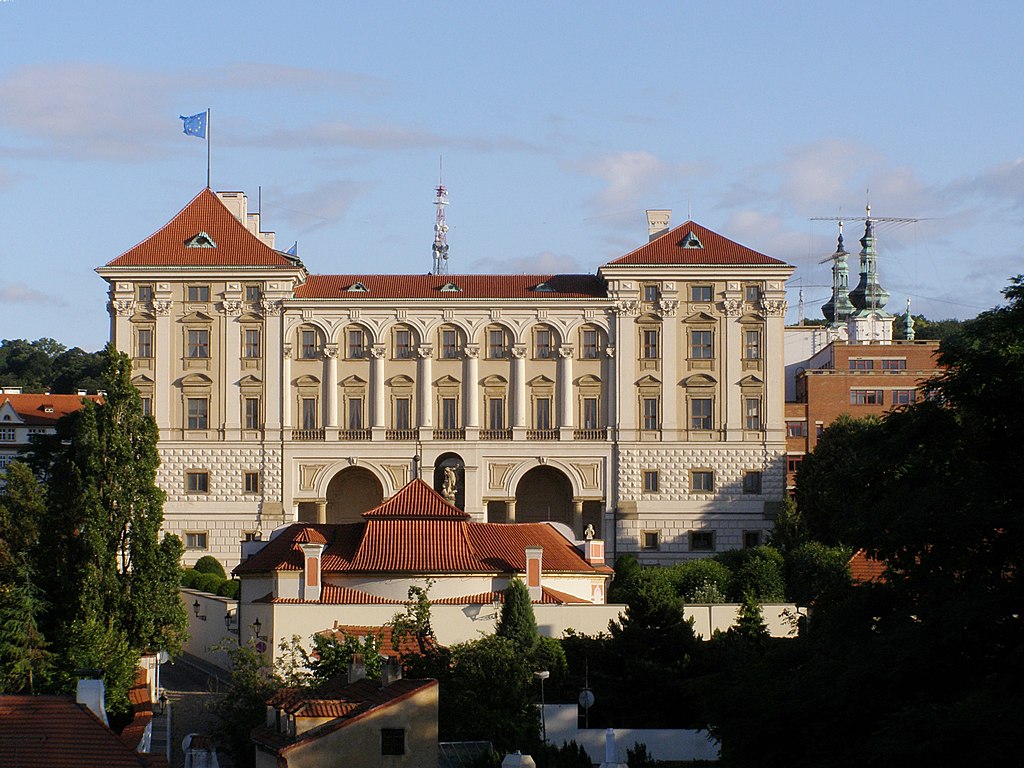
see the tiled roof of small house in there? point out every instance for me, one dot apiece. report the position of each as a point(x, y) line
point(407, 644)
point(864, 569)
point(45, 410)
point(692, 244)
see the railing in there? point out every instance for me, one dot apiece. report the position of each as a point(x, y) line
point(495, 434)
point(402, 434)
point(590, 434)
point(450, 434)
point(542, 434)
point(353, 434)
point(308, 434)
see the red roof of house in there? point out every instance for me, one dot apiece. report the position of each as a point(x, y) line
point(864, 569)
point(45, 410)
point(420, 533)
point(539, 287)
point(692, 244)
point(407, 644)
point(236, 246)
point(54, 732)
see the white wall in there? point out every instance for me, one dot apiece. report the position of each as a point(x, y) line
point(721, 616)
point(208, 629)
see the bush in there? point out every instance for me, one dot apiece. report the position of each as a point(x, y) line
point(815, 569)
point(208, 582)
point(210, 564)
point(229, 588)
point(189, 577)
point(702, 581)
point(758, 574)
point(638, 756)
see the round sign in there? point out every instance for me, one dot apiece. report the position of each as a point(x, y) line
point(261, 646)
point(586, 698)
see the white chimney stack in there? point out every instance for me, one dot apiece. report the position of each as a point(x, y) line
point(311, 572)
point(90, 693)
point(357, 668)
point(657, 223)
point(534, 571)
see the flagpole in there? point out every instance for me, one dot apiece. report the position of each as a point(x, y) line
point(207, 147)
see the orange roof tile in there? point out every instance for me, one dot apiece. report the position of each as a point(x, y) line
point(417, 500)
point(469, 287)
point(407, 645)
point(46, 410)
point(716, 250)
point(864, 569)
point(236, 246)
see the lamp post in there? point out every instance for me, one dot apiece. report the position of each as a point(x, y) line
point(542, 676)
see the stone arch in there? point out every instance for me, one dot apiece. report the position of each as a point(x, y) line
point(544, 494)
point(455, 462)
point(337, 333)
point(479, 336)
point(351, 492)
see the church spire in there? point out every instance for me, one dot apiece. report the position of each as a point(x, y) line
point(838, 308)
point(869, 296)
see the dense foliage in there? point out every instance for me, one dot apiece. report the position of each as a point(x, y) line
point(45, 365)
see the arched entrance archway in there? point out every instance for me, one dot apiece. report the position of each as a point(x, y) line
point(351, 492)
point(544, 494)
point(454, 461)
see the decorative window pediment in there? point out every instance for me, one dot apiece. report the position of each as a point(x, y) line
point(540, 381)
point(353, 381)
point(752, 317)
point(447, 381)
point(495, 381)
point(751, 381)
point(200, 240)
point(700, 380)
point(196, 317)
point(698, 318)
point(307, 381)
point(648, 381)
point(196, 380)
point(142, 379)
point(400, 380)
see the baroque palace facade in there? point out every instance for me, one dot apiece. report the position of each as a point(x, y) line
point(646, 401)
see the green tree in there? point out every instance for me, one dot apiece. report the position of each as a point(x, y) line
point(414, 621)
point(517, 622)
point(242, 707)
point(703, 580)
point(331, 656)
point(789, 530)
point(815, 569)
point(758, 571)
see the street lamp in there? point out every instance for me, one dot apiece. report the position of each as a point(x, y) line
point(256, 627)
point(542, 676)
point(196, 608)
point(227, 619)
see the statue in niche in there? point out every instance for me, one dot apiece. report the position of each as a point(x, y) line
point(448, 486)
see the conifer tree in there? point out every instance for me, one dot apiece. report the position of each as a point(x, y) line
point(517, 622)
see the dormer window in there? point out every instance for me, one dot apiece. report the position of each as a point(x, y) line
point(201, 240)
point(691, 241)
point(543, 288)
point(356, 288)
point(451, 287)
point(47, 409)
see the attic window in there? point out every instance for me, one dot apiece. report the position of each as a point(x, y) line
point(47, 409)
point(691, 241)
point(202, 240)
point(543, 288)
point(451, 288)
point(356, 288)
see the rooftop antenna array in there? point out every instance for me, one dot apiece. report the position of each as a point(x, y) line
point(440, 247)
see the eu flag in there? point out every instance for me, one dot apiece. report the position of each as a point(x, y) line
point(195, 125)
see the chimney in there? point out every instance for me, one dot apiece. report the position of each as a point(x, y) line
point(593, 551)
point(391, 672)
point(90, 693)
point(534, 563)
point(237, 203)
point(357, 669)
point(311, 571)
point(657, 223)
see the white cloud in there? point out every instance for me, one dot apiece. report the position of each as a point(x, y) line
point(628, 177)
point(19, 293)
point(321, 206)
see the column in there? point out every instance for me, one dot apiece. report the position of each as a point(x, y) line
point(565, 404)
point(519, 386)
point(731, 349)
point(331, 387)
point(670, 421)
point(277, 371)
point(470, 393)
point(164, 362)
point(282, 404)
point(377, 389)
point(625, 351)
point(609, 380)
point(510, 510)
point(321, 510)
point(232, 368)
point(774, 374)
point(425, 407)
point(577, 517)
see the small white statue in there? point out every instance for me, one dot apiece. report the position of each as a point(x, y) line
point(588, 532)
point(448, 486)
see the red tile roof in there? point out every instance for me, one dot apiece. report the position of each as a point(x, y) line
point(45, 410)
point(332, 594)
point(407, 644)
point(236, 246)
point(716, 250)
point(55, 732)
point(548, 597)
point(864, 569)
point(470, 287)
point(417, 500)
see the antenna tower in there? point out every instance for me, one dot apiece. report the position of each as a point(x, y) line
point(440, 248)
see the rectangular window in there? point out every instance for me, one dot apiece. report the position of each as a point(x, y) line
point(198, 343)
point(144, 342)
point(651, 418)
point(7, 434)
point(753, 293)
point(252, 345)
point(448, 349)
point(543, 420)
point(198, 293)
point(860, 364)
point(309, 347)
point(496, 344)
point(252, 413)
point(702, 541)
point(650, 481)
point(752, 345)
point(356, 345)
point(589, 344)
point(145, 293)
point(751, 482)
point(543, 344)
point(752, 413)
point(252, 293)
point(650, 293)
point(751, 539)
point(355, 413)
point(197, 481)
point(650, 539)
point(251, 482)
point(819, 428)
point(449, 413)
point(866, 397)
point(496, 413)
point(403, 413)
point(796, 429)
point(894, 365)
point(403, 344)
point(147, 405)
point(793, 463)
point(702, 481)
point(198, 413)
point(650, 345)
point(904, 396)
point(591, 418)
point(309, 413)
point(700, 293)
point(196, 540)
point(392, 741)
point(700, 345)
point(700, 413)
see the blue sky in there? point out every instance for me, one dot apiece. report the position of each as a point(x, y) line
point(559, 124)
